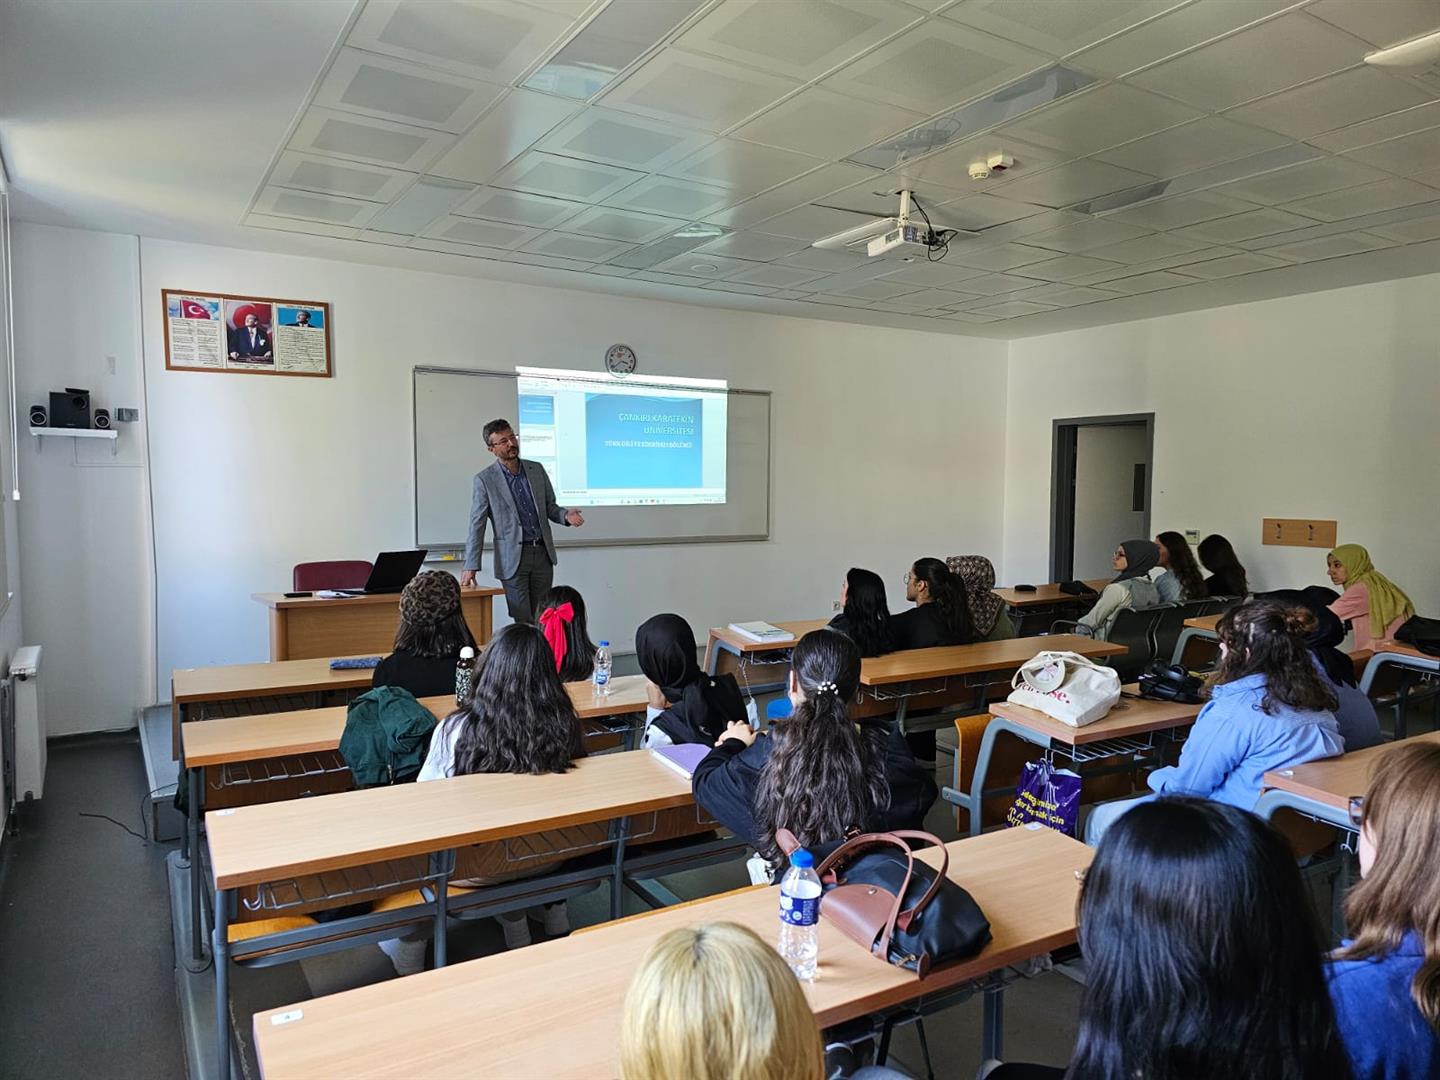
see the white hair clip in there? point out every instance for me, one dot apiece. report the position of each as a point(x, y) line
point(825, 687)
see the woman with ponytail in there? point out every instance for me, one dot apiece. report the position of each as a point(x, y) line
point(562, 620)
point(1270, 707)
point(941, 615)
point(816, 773)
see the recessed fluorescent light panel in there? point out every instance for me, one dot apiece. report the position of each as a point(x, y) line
point(677, 243)
point(1034, 90)
point(608, 44)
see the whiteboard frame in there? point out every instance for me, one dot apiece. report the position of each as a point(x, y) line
point(449, 547)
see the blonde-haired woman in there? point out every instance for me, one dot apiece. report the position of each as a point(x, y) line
point(714, 1002)
point(1385, 981)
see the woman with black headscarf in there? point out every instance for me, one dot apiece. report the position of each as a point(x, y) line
point(1355, 714)
point(693, 707)
point(1132, 587)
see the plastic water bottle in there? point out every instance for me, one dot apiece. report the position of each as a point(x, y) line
point(464, 676)
point(800, 916)
point(603, 663)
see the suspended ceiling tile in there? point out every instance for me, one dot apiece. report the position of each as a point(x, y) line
point(973, 212)
point(741, 287)
point(814, 222)
point(756, 246)
point(505, 132)
point(830, 262)
point(1380, 22)
point(1085, 234)
point(951, 166)
point(1096, 119)
point(1386, 127)
point(1064, 295)
point(1409, 155)
point(495, 41)
point(745, 168)
point(519, 208)
point(1329, 247)
point(1013, 309)
point(1058, 29)
point(627, 225)
point(1247, 226)
point(391, 89)
point(584, 248)
point(660, 278)
point(999, 257)
point(1299, 181)
point(1152, 282)
point(1066, 268)
point(564, 178)
point(811, 187)
point(311, 172)
point(880, 196)
point(696, 91)
point(971, 317)
point(1173, 33)
point(1233, 265)
point(1255, 62)
point(1365, 199)
point(701, 265)
point(297, 225)
point(1073, 182)
point(1180, 210)
point(934, 66)
point(1332, 102)
point(491, 234)
point(1410, 232)
point(675, 198)
point(933, 298)
point(825, 124)
point(1147, 249)
point(331, 209)
point(934, 274)
point(617, 138)
point(364, 138)
point(996, 284)
point(799, 40)
point(425, 201)
point(778, 277)
point(876, 290)
point(1192, 146)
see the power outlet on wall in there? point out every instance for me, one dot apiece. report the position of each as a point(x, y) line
point(1192, 536)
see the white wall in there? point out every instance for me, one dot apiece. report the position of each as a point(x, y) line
point(1321, 405)
point(84, 526)
point(1105, 460)
point(871, 465)
point(10, 618)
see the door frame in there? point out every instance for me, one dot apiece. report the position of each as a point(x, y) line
point(1063, 442)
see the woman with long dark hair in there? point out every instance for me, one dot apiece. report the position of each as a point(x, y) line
point(941, 615)
point(1270, 707)
point(562, 620)
point(1385, 981)
point(1132, 588)
point(685, 704)
point(1227, 576)
point(817, 773)
point(428, 641)
point(1182, 579)
point(865, 618)
point(1202, 955)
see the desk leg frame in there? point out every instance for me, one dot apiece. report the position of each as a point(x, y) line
point(197, 877)
point(1430, 665)
point(974, 800)
point(220, 949)
point(992, 1021)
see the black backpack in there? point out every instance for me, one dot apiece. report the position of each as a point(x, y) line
point(1423, 633)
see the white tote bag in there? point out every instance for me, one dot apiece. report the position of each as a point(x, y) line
point(1066, 686)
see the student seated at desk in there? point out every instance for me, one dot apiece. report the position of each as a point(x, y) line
point(940, 615)
point(715, 1002)
point(865, 614)
point(1373, 605)
point(816, 773)
point(428, 641)
point(1132, 587)
point(686, 705)
point(1355, 713)
point(1227, 576)
point(1270, 707)
point(562, 618)
point(1385, 980)
point(1181, 580)
point(989, 620)
point(1202, 956)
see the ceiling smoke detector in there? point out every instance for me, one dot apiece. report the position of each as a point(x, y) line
point(995, 163)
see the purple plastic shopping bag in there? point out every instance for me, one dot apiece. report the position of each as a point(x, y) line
point(1048, 795)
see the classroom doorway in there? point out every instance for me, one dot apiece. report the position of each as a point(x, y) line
point(1099, 491)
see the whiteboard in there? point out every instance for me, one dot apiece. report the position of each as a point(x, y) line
point(452, 405)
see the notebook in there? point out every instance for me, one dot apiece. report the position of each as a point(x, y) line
point(761, 631)
point(684, 758)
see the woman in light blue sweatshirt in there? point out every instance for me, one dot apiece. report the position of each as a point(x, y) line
point(1270, 707)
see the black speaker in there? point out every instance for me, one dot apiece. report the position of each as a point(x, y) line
point(70, 409)
point(38, 416)
point(102, 419)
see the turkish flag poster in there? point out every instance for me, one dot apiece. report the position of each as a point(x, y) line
point(267, 335)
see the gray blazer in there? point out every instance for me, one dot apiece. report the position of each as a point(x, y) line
point(491, 501)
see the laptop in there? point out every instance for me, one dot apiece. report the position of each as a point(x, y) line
point(391, 573)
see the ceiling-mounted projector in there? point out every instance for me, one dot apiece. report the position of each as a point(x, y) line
point(885, 235)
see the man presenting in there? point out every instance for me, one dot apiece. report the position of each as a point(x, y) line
point(517, 495)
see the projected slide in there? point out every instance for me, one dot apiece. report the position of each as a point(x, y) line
point(637, 441)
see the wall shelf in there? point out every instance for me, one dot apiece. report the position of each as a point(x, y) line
point(79, 433)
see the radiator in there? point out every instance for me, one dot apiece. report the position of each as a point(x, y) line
point(28, 704)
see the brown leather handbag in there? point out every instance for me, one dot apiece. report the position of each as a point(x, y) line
point(900, 909)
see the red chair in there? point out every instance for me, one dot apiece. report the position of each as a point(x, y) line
point(338, 574)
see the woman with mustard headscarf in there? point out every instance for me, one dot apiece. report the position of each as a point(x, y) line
point(1373, 604)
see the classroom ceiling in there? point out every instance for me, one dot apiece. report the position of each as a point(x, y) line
point(1168, 155)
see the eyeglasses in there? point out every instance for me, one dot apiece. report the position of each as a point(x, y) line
point(1357, 810)
point(511, 438)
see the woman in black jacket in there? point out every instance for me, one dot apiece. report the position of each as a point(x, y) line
point(817, 773)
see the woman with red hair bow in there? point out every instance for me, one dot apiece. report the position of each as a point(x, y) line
point(562, 619)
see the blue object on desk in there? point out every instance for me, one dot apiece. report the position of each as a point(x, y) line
point(347, 663)
point(779, 709)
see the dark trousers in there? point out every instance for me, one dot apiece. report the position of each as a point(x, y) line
point(532, 580)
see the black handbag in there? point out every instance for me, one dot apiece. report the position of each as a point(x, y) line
point(1421, 632)
point(899, 908)
point(1170, 682)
